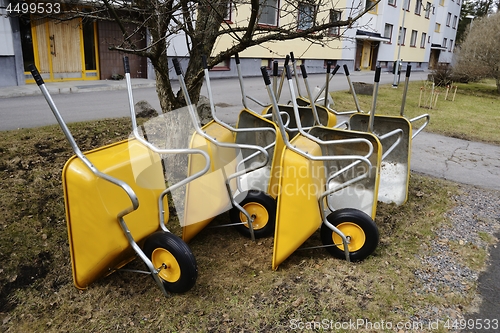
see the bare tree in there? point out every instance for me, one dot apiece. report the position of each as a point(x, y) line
point(479, 54)
point(202, 22)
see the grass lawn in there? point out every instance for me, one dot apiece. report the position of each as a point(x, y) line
point(473, 115)
point(236, 289)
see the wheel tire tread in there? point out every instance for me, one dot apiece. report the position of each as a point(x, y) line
point(182, 253)
point(361, 219)
point(265, 200)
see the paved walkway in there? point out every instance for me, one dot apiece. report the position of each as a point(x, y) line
point(69, 87)
point(461, 161)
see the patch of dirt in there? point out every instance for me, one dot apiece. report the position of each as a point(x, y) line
point(223, 105)
point(26, 276)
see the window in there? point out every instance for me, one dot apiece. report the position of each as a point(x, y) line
point(422, 40)
point(418, 7)
point(391, 2)
point(448, 19)
point(370, 3)
point(455, 19)
point(437, 27)
point(268, 12)
point(229, 11)
point(388, 32)
point(334, 17)
point(406, 5)
point(402, 36)
point(333, 63)
point(306, 16)
point(428, 10)
point(445, 41)
point(450, 49)
point(89, 45)
point(413, 39)
point(224, 65)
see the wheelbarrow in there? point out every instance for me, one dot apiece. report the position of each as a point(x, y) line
point(107, 227)
point(363, 194)
point(346, 233)
point(239, 178)
point(395, 168)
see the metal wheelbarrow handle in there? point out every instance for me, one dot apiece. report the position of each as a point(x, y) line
point(128, 190)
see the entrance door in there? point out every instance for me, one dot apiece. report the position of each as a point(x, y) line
point(434, 58)
point(58, 48)
point(359, 52)
point(65, 49)
point(366, 55)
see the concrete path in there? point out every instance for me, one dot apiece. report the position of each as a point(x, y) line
point(461, 161)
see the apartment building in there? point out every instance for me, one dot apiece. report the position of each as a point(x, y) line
point(419, 32)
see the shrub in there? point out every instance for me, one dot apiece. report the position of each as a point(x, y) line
point(441, 75)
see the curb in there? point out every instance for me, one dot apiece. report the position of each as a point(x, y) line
point(33, 90)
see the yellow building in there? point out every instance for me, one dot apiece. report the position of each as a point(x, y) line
point(419, 32)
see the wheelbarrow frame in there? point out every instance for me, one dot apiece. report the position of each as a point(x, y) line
point(309, 116)
point(306, 100)
point(362, 195)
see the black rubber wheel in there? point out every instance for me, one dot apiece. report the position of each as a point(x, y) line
point(359, 229)
point(180, 270)
point(259, 205)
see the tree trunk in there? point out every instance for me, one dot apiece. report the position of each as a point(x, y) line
point(208, 22)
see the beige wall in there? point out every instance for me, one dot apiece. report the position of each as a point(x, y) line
point(276, 50)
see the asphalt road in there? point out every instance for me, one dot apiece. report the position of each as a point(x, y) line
point(33, 111)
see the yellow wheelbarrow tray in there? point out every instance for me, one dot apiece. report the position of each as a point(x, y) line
point(217, 191)
point(98, 245)
point(364, 193)
point(395, 166)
